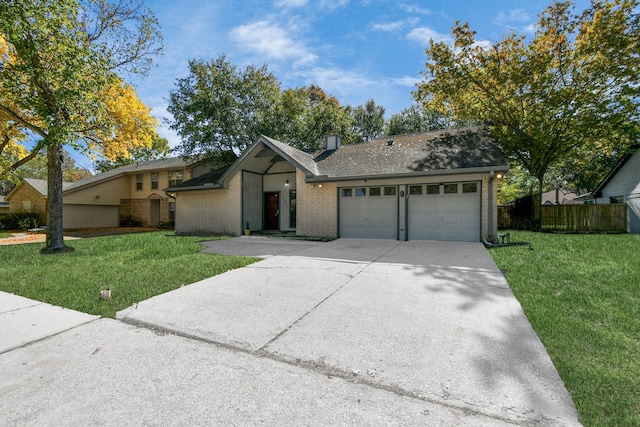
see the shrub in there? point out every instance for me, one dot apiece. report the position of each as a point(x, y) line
point(19, 220)
point(167, 224)
point(130, 221)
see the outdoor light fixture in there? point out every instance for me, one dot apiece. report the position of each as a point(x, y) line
point(286, 183)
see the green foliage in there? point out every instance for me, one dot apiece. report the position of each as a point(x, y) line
point(580, 293)
point(573, 87)
point(130, 221)
point(416, 119)
point(159, 148)
point(135, 267)
point(367, 121)
point(19, 220)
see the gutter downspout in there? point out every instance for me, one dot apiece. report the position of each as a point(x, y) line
point(490, 235)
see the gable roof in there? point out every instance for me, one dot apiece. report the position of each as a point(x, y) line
point(39, 185)
point(464, 150)
point(137, 167)
point(598, 190)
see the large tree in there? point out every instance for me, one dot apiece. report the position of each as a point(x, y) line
point(416, 119)
point(367, 121)
point(574, 86)
point(59, 83)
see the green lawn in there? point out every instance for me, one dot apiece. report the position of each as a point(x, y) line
point(582, 296)
point(134, 266)
point(4, 234)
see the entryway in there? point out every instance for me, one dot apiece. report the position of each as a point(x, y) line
point(271, 210)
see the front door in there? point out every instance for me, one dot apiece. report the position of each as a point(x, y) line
point(271, 210)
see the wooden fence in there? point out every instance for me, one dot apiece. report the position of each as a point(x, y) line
point(585, 218)
point(610, 218)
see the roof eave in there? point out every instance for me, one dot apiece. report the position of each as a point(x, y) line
point(206, 186)
point(439, 172)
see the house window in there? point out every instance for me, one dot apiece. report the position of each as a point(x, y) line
point(172, 211)
point(470, 187)
point(415, 190)
point(175, 178)
point(374, 191)
point(616, 199)
point(433, 189)
point(450, 188)
point(389, 191)
point(154, 181)
point(139, 181)
point(292, 208)
point(346, 192)
point(361, 192)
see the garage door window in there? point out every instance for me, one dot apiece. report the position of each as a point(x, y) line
point(361, 192)
point(450, 188)
point(346, 192)
point(415, 190)
point(470, 187)
point(374, 191)
point(433, 189)
point(389, 191)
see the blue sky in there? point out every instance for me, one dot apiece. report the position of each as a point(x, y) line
point(354, 49)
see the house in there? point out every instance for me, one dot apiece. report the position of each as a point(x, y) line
point(30, 196)
point(437, 186)
point(559, 196)
point(621, 185)
point(4, 205)
point(102, 200)
point(134, 191)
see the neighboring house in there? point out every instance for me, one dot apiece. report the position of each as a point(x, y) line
point(621, 185)
point(4, 205)
point(437, 186)
point(30, 196)
point(133, 190)
point(559, 197)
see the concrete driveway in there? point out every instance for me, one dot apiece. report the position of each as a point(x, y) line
point(368, 332)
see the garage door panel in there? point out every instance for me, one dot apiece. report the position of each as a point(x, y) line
point(369, 217)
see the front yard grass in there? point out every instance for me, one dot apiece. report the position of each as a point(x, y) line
point(134, 266)
point(4, 234)
point(581, 293)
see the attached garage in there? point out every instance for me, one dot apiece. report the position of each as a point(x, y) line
point(86, 216)
point(444, 212)
point(369, 212)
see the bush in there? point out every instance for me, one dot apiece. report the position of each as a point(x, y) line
point(130, 221)
point(167, 224)
point(19, 220)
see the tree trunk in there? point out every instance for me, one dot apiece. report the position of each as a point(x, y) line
point(55, 232)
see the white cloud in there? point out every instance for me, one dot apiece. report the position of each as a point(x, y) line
point(397, 25)
point(412, 8)
point(514, 15)
point(267, 39)
point(408, 81)
point(289, 4)
point(425, 34)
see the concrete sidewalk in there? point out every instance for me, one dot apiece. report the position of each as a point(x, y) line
point(342, 333)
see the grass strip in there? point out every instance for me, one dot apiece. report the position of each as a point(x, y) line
point(134, 266)
point(581, 293)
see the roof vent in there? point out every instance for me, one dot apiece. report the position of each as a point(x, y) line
point(333, 141)
point(390, 142)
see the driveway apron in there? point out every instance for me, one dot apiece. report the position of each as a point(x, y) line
point(434, 321)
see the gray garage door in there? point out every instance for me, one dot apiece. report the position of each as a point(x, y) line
point(369, 212)
point(84, 216)
point(444, 212)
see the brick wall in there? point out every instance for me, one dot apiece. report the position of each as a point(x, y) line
point(27, 193)
point(216, 211)
point(317, 208)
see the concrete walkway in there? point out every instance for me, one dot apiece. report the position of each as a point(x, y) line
point(355, 332)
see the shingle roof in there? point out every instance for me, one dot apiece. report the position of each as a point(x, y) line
point(201, 180)
point(453, 149)
point(160, 164)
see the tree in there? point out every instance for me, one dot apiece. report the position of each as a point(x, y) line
point(219, 107)
point(159, 148)
point(574, 86)
point(416, 119)
point(367, 121)
point(58, 82)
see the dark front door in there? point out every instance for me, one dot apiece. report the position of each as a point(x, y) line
point(271, 211)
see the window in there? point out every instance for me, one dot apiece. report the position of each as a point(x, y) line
point(415, 190)
point(139, 181)
point(616, 199)
point(389, 191)
point(450, 188)
point(175, 178)
point(172, 211)
point(433, 189)
point(361, 192)
point(292, 208)
point(470, 187)
point(374, 191)
point(154, 181)
point(346, 192)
